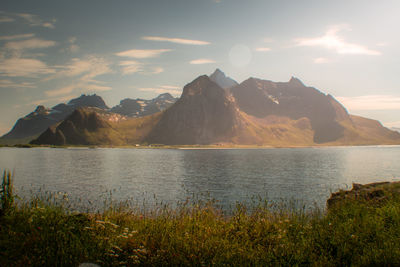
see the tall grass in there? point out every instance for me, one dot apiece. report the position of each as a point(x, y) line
point(353, 232)
point(6, 192)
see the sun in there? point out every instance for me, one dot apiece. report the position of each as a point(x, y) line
point(240, 55)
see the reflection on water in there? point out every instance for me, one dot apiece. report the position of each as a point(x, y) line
point(227, 175)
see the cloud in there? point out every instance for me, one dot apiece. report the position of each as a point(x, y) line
point(131, 66)
point(61, 91)
point(84, 71)
point(156, 70)
point(263, 49)
point(34, 20)
point(331, 40)
point(72, 40)
point(175, 40)
point(80, 85)
point(142, 53)
point(34, 43)
point(268, 40)
point(12, 84)
point(6, 19)
point(174, 90)
point(73, 47)
point(17, 36)
point(88, 68)
point(371, 102)
point(202, 61)
point(322, 60)
point(62, 99)
point(48, 25)
point(23, 67)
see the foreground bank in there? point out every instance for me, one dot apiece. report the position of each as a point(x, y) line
point(358, 228)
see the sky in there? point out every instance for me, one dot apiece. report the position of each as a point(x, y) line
point(52, 51)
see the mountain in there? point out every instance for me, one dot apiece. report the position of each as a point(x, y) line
point(255, 112)
point(294, 100)
point(204, 114)
point(222, 80)
point(78, 128)
point(39, 120)
point(36, 122)
point(94, 126)
point(142, 107)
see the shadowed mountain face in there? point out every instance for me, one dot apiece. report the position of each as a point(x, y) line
point(204, 114)
point(262, 98)
point(142, 107)
point(42, 118)
point(82, 127)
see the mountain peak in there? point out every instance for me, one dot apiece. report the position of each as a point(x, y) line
point(222, 80)
point(218, 72)
point(164, 96)
point(40, 109)
point(296, 82)
point(197, 86)
point(88, 101)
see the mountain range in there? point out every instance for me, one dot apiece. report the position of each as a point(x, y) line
point(36, 122)
point(216, 110)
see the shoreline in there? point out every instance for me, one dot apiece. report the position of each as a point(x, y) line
point(194, 147)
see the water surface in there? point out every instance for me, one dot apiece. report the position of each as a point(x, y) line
point(227, 175)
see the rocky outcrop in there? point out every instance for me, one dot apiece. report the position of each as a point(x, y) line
point(372, 193)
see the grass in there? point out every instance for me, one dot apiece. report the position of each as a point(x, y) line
point(45, 232)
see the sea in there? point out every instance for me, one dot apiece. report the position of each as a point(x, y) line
point(92, 178)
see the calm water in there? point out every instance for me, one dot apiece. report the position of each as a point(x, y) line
point(228, 175)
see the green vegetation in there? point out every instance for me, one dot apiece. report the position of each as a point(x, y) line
point(353, 231)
